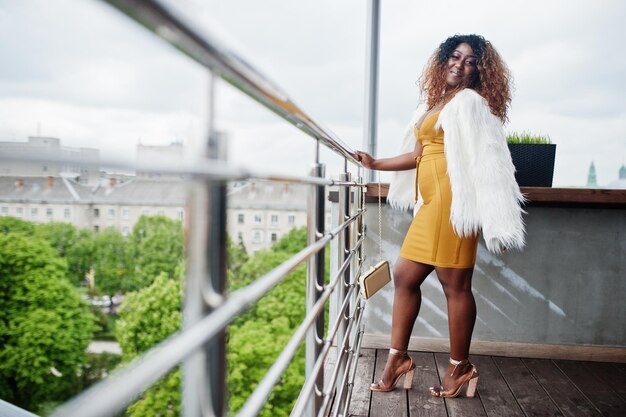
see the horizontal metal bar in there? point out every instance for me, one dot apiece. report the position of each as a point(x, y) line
point(358, 339)
point(204, 48)
point(350, 357)
point(307, 389)
point(259, 396)
point(111, 395)
point(349, 183)
point(335, 374)
point(10, 410)
point(206, 168)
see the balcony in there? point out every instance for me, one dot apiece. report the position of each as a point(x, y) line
point(543, 342)
point(550, 336)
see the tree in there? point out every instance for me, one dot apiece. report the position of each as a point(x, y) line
point(146, 318)
point(10, 224)
point(112, 262)
point(108, 254)
point(157, 246)
point(255, 339)
point(45, 325)
point(61, 236)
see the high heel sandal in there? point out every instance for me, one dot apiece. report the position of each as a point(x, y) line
point(408, 375)
point(470, 378)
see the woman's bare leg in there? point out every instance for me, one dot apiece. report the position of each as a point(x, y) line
point(457, 286)
point(408, 276)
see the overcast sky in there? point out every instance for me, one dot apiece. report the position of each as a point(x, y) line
point(81, 71)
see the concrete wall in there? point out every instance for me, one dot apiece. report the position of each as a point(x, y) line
point(567, 286)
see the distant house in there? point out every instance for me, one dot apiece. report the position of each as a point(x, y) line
point(83, 169)
point(258, 213)
point(110, 203)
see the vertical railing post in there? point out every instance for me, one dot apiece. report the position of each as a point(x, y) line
point(344, 245)
point(316, 275)
point(371, 80)
point(204, 372)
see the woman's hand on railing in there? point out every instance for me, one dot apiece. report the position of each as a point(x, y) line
point(366, 159)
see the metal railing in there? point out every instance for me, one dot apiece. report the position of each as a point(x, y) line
point(208, 308)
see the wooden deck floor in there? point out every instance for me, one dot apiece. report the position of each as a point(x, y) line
point(508, 387)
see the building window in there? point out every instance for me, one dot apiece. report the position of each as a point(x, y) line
point(125, 213)
point(111, 213)
point(180, 214)
point(240, 218)
point(19, 212)
point(145, 212)
point(96, 228)
point(161, 212)
point(49, 213)
point(67, 212)
point(257, 219)
point(34, 212)
point(239, 236)
point(257, 237)
point(5, 211)
point(274, 219)
point(274, 237)
point(291, 220)
point(96, 213)
point(125, 230)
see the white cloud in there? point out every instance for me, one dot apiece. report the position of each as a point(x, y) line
point(94, 78)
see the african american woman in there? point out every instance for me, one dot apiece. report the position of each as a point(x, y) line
point(467, 187)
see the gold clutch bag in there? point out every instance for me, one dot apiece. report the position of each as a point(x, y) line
point(374, 279)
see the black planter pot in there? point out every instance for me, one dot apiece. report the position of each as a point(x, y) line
point(534, 164)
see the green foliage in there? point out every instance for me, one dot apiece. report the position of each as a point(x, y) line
point(97, 367)
point(157, 247)
point(61, 236)
point(257, 337)
point(10, 224)
point(254, 340)
point(105, 324)
point(45, 325)
point(293, 242)
point(237, 255)
point(527, 138)
point(109, 254)
point(147, 317)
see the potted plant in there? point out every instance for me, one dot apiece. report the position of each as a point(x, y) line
point(533, 157)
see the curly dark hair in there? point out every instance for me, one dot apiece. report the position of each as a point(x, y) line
point(492, 80)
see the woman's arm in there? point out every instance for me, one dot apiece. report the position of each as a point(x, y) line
point(397, 163)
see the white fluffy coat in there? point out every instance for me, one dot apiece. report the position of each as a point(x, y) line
point(485, 196)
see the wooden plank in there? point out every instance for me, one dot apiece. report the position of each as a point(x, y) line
point(611, 376)
point(387, 404)
point(600, 394)
point(329, 366)
point(509, 349)
point(421, 403)
point(527, 391)
point(460, 406)
point(569, 400)
point(621, 367)
point(497, 398)
point(595, 196)
point(575, 195)
point(361, 394)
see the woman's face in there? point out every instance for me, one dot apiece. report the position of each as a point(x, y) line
point(462, 65)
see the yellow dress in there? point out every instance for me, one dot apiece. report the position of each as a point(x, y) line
point(431, 239)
